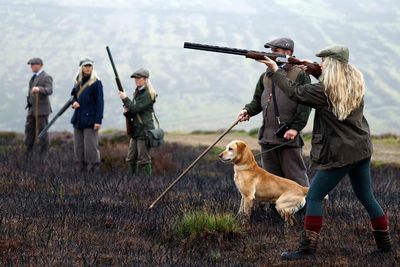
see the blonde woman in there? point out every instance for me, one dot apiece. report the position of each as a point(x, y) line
point(141, 112)
point(341, 143)
point(88, 105)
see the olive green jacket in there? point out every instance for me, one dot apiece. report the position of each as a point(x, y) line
point(334, 143)
point(141, 109)
point(290, 111)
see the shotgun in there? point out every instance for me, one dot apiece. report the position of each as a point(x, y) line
point(59, 113)
point(128, 116)
point(312, 68)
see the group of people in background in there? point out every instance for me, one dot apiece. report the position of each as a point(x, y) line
point(88, 105)
point(341, 142)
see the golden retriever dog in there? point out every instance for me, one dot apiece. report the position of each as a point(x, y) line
point(256, 184)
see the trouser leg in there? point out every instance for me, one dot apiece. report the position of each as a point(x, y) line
point(293, 166)
point(270, 161)
point(322, 183)
point(143, 152)
point(30, 135)
point(91, 148)
point(79, 149)
point(144, 158)
point(131, 156)
point(360, 178)
point(44, 141)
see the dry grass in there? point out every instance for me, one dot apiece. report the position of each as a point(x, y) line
point(53, 216)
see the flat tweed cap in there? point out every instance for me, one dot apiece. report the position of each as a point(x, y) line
point(338, 52)
point(141, 73)
point(284, 42)
point(35, 60)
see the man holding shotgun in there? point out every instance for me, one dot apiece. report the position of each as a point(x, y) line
point(38, 105)
point(283, 119)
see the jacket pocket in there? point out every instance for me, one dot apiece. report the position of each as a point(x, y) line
point(87, 120)
point(317, 144)
point(261, 131)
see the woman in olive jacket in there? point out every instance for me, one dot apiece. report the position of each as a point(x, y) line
point(341, 143)
point(141, 112)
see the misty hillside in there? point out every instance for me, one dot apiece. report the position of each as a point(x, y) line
point(197, 90)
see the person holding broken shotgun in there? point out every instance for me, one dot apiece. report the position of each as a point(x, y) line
point(341, 143)
point(141, 111)
point(88, 115)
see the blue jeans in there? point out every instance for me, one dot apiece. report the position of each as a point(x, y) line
point(360, 177)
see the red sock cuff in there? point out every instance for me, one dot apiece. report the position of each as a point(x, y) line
point(313, 223)
point(380, 223)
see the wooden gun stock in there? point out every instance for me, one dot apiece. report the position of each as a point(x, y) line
point(313, 69)
point(261, 55)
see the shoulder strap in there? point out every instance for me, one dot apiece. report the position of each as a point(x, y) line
point(155, 117)
point(139, 118)
point(275, 104)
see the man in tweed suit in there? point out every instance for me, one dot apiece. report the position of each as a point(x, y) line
point(38, 105)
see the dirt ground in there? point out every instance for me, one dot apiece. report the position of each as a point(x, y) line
point(387, 153)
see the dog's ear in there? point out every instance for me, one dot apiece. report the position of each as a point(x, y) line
point(240, 146)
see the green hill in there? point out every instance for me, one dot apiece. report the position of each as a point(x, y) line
point(197, 90)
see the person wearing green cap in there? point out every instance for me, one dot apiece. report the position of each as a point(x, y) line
point(341, 143)
point(141, 110)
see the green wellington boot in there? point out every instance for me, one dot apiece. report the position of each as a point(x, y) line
point(145, 169)
point(131, 168)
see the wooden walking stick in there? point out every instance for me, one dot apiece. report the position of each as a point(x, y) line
point(37, 116)
point(194, 163)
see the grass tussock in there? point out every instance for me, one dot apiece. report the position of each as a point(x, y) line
point(201, 223)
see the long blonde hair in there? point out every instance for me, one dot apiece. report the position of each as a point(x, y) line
point(344, 87)
point(152, 91)
point(79, 76)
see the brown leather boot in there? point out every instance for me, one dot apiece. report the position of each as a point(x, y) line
point(382, 240)
point(307, 247)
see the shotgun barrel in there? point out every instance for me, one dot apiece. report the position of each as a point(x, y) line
point(128, 116)
point(117, 80)
point(312, 68)
point(230, 50)
point(59, 113)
